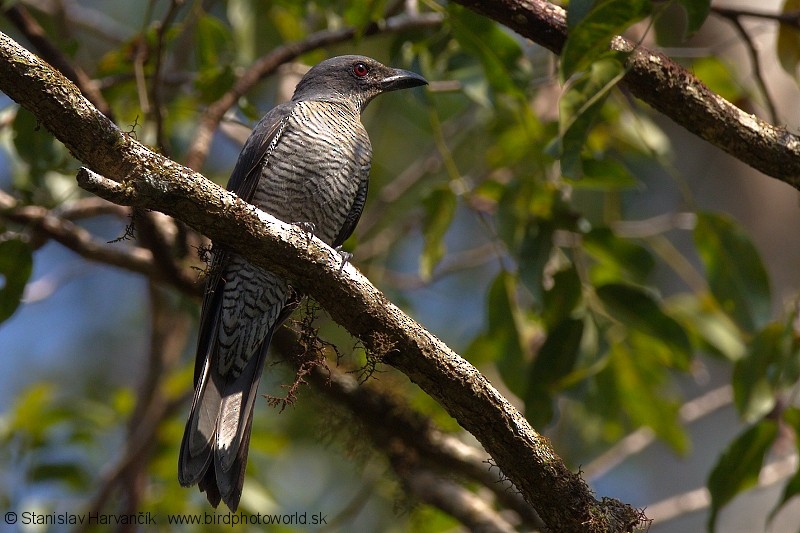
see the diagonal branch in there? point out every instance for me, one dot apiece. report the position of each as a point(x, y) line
point(141, 178)
point(667, 87)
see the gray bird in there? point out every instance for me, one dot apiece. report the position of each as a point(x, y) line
point(307, 161)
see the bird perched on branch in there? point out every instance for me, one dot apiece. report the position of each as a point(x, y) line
point(307, 161)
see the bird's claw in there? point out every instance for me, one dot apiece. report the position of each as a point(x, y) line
point(346, 256)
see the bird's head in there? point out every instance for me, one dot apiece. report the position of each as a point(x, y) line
point(357, 79)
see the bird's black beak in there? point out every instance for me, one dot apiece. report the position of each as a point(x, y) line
point(402, 79)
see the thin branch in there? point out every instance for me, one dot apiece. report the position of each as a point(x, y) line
point(79, 240)
point(467, 507)
point(90, 207)
point(268, 64)
point(791, 18)
point(169, 333)
point(156, 82)
point(92, 21)
point(643, 437)
point(699, 499)
point(26, 24)
point(755, 62)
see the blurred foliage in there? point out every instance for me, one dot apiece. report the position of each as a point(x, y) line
point(576, 322)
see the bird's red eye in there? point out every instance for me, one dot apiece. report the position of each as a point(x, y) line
point(360, 70)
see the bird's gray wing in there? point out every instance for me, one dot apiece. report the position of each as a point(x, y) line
point(354, 214)
point(243, 182)
point(247, 172)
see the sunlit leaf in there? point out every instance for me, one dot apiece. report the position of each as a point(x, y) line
point(736, 275)
point(16, 264)
point(712, 329)
point(791, 415)
point(580, 106)
point(788, 42)
point(770, 366)
point(739, 465)
point(617, 258)
point(638, 380)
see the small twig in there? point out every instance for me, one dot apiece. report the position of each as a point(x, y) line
point(82, 242)
point(157, 110)
point(755, 61)
point(643, 437)
point(698, 499)
point(792, 18)
point(22, 19)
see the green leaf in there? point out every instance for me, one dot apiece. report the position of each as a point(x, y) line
point(580, 106)
point(696, 14)
point(736, 276)
point(361, 14)
point(710, 328)
point(617, 258)
point(214, 42)
point(589, 37)
point(718, 76)
point(562, 297)
point(739, 465)
point(638, 310)
point(534, 253)
point(16, 264)
point(440, 208)
point(770, 366)
point(788, 42)
point(555, 359)
point(497, 50)
point(791, 415)
point(502, 340)
point(638, 380)
point(604, 175)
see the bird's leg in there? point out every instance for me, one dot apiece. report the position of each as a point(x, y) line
point(309, 228)
point(346, 256)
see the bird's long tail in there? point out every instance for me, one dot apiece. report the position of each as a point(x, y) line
point(217, 436)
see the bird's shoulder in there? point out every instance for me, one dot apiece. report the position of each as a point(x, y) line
point(262, 139)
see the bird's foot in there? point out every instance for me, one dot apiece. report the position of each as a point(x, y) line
point(308, 227)
point(346, 256)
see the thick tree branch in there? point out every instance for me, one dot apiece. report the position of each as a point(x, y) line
point(145, 179)
point(667, 87)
